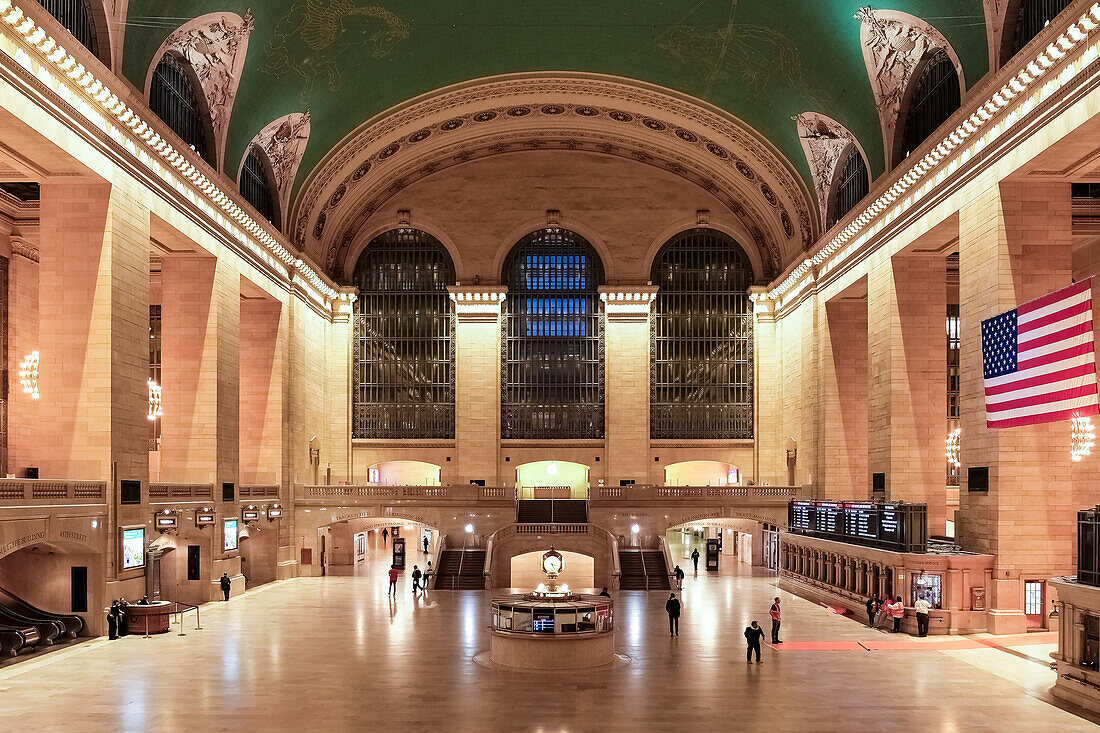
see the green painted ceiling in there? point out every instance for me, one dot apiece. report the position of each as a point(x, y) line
point(761, 60)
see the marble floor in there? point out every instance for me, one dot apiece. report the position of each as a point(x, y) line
point(335, 653)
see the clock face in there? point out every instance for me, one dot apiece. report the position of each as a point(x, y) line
point(551, 564)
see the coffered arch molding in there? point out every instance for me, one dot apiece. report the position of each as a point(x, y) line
point(608, 115)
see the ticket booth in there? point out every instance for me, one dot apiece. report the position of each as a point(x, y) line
point(399, 552)
point(714, 548)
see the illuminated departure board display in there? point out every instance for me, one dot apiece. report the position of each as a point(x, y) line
point(893, 526)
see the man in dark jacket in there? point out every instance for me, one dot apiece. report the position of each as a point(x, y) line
point(672, 608)
point(695, 559)
point(226, 584)
point(872, 609)
point(416, 579)
point(753, 632)
point(679, 573)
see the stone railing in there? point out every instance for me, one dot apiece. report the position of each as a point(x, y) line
point(45, 492)
point(457, 493)
point(551, 528)
point(160, 490)
point(254, 491)
point(747, 494)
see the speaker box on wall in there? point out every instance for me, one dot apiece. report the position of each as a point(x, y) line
point(878, 483)
point(977, 478)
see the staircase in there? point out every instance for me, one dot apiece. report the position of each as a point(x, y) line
point(643, 570)
point(551, 511)
point(461, 570)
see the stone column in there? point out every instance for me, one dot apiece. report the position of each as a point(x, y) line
point(907, 346)
point(22, 340)
point(844, 400)
point(261, 390)
point(93, 333)
point(200, 322)
point(477, 382)
point(627, 362)
point(334, 458)
point(768, 447)
point(1014, 246)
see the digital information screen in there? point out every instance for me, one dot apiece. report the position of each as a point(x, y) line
point(543, 621)
point(133, 548)
point(230, 534)
point(897, 527)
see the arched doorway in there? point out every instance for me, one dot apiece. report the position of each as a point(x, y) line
point(702, 473)
point(552, 480)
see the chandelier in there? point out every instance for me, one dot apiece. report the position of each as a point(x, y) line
point(954, 447)
point(28, 374)
point(154, 400)
point(1083, 438)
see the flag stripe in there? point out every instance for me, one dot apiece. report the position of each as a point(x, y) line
point(1060, 395)
point(1042, 417)
point(1046, 338)
point(1071, 403)
point(1046, 355)
point(1044, 378)
point(1036, 321)
point(1058, 295)
point(1039, 370)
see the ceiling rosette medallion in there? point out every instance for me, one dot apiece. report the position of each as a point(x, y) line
point(825, 142)
point(283, 141)
point(894, 44)
point(214, 45)
point(529, 112)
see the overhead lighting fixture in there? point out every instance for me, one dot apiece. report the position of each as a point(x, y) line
point(154, 400)
point(28, 374)
point(1083, 437)
point(954, 447)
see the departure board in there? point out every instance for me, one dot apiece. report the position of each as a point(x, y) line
point(895, 526)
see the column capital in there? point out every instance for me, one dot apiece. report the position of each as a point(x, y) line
point(477, 302)
point(344, 302)
point(627, 302)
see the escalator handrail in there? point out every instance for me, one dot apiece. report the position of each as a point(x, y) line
point(63, 617)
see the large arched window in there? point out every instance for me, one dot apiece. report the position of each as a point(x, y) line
point(403, 349)
point(935, 97)
point(851, 186)
point(1032, 17)
point(702, 378)
point(174, 99)
point(76, 17)
point(552, 381)
point(255, 185)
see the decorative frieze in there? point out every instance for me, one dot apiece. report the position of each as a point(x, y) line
point(824, 140)
point(283, 141)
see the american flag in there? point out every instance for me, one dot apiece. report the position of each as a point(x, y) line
point(1039, 360)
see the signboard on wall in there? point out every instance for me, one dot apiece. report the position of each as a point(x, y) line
point(133, 548)
point(895, 526)
point(230, 534)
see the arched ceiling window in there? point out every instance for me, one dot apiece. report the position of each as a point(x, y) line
point(173, 98)
point(1032, 17)
point(255, 185)
point(76, 17)
point(935, 97)
point(702, 357)
point(403, 344)
point(851, 186)
point(552, 383)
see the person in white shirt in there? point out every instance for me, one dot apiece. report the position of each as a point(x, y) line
point(922, 608)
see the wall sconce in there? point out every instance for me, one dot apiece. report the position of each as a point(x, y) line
point(954, 447)
point(28, 374)
point(154, 400)
point(1082, 438)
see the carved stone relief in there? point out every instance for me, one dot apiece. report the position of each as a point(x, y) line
point(214, 45)
point(893, 45)
point(823, 140)
point(284, 142)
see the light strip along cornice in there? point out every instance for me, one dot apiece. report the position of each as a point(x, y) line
point(69, 71)
point(893, 201)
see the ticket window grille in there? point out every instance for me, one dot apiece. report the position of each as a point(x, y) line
point(173, 99)
point(931, 587)
point(552, 361)
point(851, 187)
point(1033, 17)
point(702, 339)
point(936, 96)
point(76, 17)
point(403, 343)
point(256, 187)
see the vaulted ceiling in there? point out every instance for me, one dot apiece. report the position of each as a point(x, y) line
point(762, 61)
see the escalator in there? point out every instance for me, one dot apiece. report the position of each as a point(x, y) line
point(24, 627)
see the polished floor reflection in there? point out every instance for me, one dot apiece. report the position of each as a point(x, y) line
point(335, 653)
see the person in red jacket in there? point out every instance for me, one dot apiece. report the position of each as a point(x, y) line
point(394, 572)
point(897, 612)
point(775, 614)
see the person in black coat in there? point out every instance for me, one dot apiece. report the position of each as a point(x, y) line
point(695, 559)
point(112, 621)
point(672, 608)
point(123, 620)
point(679, 573)
point(872, 609)
point(226, 584)
point(753, 633)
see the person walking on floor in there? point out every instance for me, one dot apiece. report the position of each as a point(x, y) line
point(416, 579)
point(775, 614)
point(393, 580)
point(897, 612)
point(872, 608)
point(427, 574)
point(695, 559)
point(112, 620)
point(385, 536)
point(753, 632)
point(679, 573)
point(922, 607)
point(226, 584)
point(672, 608)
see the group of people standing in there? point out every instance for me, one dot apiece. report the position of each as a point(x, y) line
point(753, 632)
point(118, 622)
point(895, 611)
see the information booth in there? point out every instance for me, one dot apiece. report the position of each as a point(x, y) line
point(399, 552)
point(714, 549)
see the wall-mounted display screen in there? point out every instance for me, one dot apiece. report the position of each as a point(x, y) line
point(133, 548)
point(230, 534)
point(890, 526)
